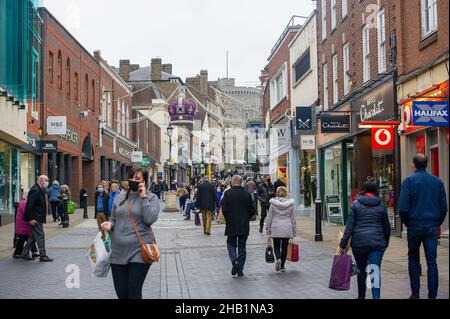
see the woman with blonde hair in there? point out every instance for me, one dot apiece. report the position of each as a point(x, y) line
point(281, 225)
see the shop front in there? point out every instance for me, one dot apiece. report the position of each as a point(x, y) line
point(357, 144)
point(425, 130)
point(280, 148)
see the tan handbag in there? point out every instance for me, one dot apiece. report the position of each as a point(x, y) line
point(150, 252)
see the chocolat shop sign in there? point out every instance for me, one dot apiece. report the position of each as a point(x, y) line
point(335, 123)
point(377, 104)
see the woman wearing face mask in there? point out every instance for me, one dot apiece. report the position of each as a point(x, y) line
point(101, 206)
point(140, 206)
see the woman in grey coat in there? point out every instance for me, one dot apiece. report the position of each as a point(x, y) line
point(281, 225)
point(128, 268)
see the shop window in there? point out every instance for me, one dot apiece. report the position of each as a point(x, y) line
point(429, 17)
point(50, 67)
point(302, 66)
point(59, 70)
point(93, 95)
point(324, 19)
point(366, 54)
point(86, 91)
point(68, 73)
point(381, 34)
point(76, 86)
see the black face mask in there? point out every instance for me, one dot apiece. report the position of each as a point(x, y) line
point(134, 186)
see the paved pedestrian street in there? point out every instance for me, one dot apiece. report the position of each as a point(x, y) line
point(192, 266)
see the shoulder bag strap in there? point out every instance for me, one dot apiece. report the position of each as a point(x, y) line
point(130, 204)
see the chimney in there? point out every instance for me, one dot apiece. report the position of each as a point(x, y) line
point(124, 69)
point(97, 55)
point(134, 67)
point(204, 82)
point(156, 69)
point(167, 68)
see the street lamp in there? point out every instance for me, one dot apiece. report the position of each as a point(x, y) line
point(203, 154)
point(170, 133)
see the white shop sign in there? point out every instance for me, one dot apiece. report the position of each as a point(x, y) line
point(308, 142)
point(56, 125)
point(125, 153)
point(137, 157)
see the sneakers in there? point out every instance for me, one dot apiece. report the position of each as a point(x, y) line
point(283, 270)
point(235, 269)
point(260, 230)
point(414, 296)
point(45, 259)
point(278, 265)
point(240, 274)
point(36, 255)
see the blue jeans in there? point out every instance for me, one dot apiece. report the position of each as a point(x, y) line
point(428, 235)
point(189, 207)
point(237, 250)
point(371, 257)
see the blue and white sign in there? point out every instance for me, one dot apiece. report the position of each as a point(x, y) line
point(430, 113)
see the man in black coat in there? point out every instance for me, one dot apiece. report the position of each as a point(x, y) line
point(238, 208)
point(266, 192)
point(36, 211)
point(207, 202)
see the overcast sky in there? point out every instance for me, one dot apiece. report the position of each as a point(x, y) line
point(190, 34)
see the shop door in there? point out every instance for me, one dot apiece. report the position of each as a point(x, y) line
point(435, 161)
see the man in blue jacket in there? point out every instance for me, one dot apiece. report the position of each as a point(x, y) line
point(423, 208)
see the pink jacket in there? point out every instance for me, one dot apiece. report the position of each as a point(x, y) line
point(22, 227)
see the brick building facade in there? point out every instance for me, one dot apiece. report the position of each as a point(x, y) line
point(71, 86)
point(423, 64)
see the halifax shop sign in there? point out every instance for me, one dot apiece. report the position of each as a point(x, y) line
point(430, 113)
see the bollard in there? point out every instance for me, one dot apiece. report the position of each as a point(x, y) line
point(318, 236)
point(84, 203)
point(66, 216)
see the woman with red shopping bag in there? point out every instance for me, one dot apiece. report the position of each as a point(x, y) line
point(369, 228)
point(281, 226)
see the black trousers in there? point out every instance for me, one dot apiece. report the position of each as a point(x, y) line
point(20, 243)
point(280, 247)
point(129, 279)
point(54, 208)
point(263, 216)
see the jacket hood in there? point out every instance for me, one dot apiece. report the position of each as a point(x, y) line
point(369, 201)
point(282, 203)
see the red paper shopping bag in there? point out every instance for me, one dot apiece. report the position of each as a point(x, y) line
point(293, 252)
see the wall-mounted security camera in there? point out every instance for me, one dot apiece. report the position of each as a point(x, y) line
point(84, 114)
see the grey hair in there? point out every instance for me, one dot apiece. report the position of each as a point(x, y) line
point(42, 177)
point(236, 180)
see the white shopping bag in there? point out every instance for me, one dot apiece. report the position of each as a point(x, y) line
point(99, 256)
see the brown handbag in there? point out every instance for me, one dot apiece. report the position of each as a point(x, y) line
point(150, 252)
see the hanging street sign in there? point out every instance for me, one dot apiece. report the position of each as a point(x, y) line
point(136, 157)
point(304, 120)
point(383, 138)
point(430, 113)
point(56, 125)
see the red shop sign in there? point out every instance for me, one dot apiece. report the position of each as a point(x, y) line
point(383, 138)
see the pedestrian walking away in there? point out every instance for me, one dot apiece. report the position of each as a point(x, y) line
point(53, 193)
point(238, 209)
point(252, 188)
point(127, 265)
point(369, 229)
point(36, 210)
point(206, 201)
point(266, 191)
point(65, 197)
point(281, 226)
point(101, 206)
point(423, 208)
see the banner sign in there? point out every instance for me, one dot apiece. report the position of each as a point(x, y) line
point(304, 120)
point(383, 138)
point(430, 113)
point(137, 157)
point(307, 142)
point(56, 125)
point(47, 146)
point(333, 123)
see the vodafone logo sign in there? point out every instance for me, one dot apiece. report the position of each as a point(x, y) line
point(383, 138)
